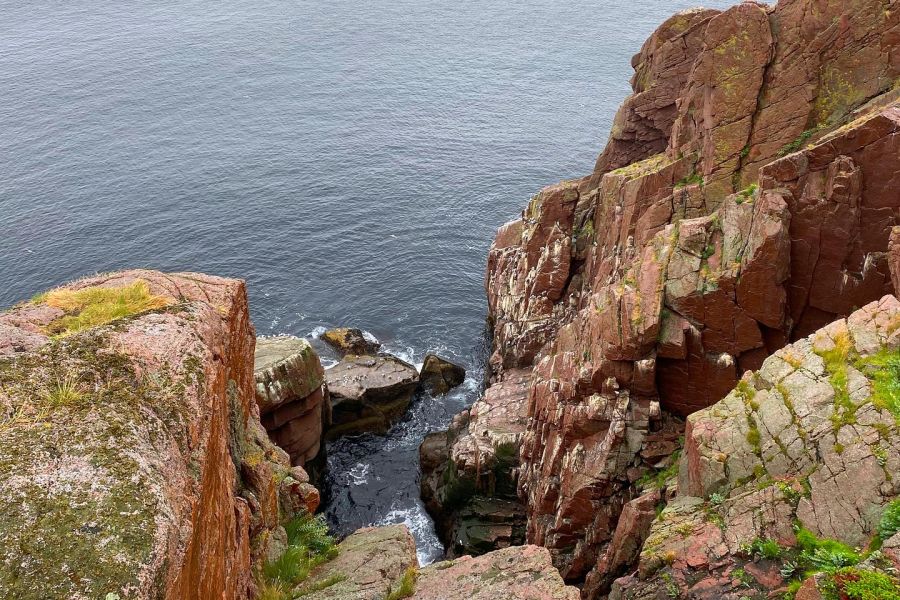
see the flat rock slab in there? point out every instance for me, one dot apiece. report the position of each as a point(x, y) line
point(370, 561)
point(521, 572)
point(368, 393)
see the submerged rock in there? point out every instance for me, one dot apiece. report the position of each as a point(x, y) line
point(439, 375)
point(132, 460)
point(349, 340)
point(291, 398)
point(369, 393)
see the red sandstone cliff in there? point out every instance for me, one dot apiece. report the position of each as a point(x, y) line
point(132, 460)
point(744, 200)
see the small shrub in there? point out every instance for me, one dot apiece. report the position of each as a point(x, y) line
point(860, 584)
point(823, 554)
point(406, 587)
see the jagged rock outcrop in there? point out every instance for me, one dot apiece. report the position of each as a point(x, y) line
point(809, 440)
point(132, 460)
point(439, 375)
point(753, 209)
point(469, 472)
point(369, 393)
point(292, 400)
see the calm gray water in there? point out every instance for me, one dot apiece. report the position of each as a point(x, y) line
point(350, 159)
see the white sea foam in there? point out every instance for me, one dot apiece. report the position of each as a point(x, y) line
point(358, 475)
point(317, 332)
point(428, 545)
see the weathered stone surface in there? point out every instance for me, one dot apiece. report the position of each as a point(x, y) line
point(369, 393)
point(132, 460)
point(439, 375)
point(349, 340)
point(291, 398)
point(523, 573)
point(805, 439)
point(469, 473)
point(369, 562)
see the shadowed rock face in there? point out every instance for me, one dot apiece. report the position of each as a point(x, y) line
point(469, 472)
point(647, 289)
point(132, 460)
point(292, 400)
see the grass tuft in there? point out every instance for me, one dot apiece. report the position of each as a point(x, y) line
point(64, 392)
point(406, 587)
point(309, 545)
point(96, 306)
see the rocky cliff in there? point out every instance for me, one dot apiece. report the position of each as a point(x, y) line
point(132, 459)
point(744, 200)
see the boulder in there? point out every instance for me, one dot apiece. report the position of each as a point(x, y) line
point(369, 563)
point(439, 376)
point(349, 340)
point(291, 398)
point(369, 393)
point(522, 572)
point(132, 459)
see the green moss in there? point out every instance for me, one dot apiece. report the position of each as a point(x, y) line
point(860, 584)
point(657, 479)
point(890, 521)
point(693, 178)
point(883, 369)
point(798, 143)
point(836, 364)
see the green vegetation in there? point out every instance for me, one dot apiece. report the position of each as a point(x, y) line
point(309, 545)
point(890, 521)
point(506, 457)
point(657, 479)
point(836, 361)
point(798, 143)
point(406, 587)
point(747, 193)
point(64, 392)
point(824, 555)
point(693, 179)
point(860, 584)
point(884, 371)
point(95, 306)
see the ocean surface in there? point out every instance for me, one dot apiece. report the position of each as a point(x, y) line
point(350, 159)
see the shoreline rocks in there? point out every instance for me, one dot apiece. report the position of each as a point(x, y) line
point(369, 393)
point(439, 375)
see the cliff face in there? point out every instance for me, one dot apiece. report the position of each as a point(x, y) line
point(132, 460)
point(745, 199)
